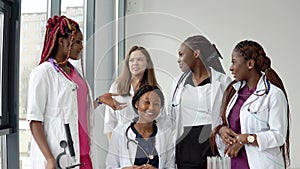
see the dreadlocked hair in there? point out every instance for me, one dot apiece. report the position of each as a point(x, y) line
point(58, 26)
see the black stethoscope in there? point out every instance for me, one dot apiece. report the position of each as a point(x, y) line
point(182, 77)
point(149, 156)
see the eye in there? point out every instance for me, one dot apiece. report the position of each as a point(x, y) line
point(156, 104)
point(180, 54)
point(79, 41)
point(131, 60)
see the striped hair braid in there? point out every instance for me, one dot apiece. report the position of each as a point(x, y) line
point(58, 26)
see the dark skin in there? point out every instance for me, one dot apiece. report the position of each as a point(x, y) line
point(36, 127)
point(149, 102)
point(193, 60)
point(241, 69)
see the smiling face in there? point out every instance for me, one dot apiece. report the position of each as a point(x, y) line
point(137, 63)
point(148, 107)
point(239, 67)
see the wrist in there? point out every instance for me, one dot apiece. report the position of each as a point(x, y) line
point(250, 139)
point(98, 100)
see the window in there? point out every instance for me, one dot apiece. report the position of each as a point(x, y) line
point(34, 17)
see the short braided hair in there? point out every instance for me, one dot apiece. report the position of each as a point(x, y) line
point(144, 89)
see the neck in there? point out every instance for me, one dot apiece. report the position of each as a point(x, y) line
point(60, 59)
point(145, 129)
point(135, 81)
point(199, 74)
point(253, 80)
point(63, 66)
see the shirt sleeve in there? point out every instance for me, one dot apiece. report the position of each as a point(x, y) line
point(277, 121)
point(37, 95)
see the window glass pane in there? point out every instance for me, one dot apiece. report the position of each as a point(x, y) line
point(33, 21)
point(1, 53)
point(74, 9)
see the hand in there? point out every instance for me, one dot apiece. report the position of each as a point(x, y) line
point(111, 102)
point(147, 166)
point(133, 167)
point(233, 149)
point(227, 135)
point(51, 164)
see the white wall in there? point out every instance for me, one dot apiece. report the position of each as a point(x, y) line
point(160, 26)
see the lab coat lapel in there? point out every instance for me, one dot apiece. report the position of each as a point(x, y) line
point(132, 145)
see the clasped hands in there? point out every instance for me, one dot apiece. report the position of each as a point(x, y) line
point(145, 166)
point(233, 141)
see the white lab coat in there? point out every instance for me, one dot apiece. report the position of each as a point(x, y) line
point(265, 116)
point(119, 156)
point(52, 99)
point(219, 82)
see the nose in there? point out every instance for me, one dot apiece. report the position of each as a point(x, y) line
point(231, 68)
point(178, 60)
point(81, 46)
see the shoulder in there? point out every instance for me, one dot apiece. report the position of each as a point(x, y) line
point(121, 128)
point(221, 77)
point(275, 91)
point(42, 69)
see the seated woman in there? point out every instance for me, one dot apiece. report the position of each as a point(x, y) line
point(142, 143)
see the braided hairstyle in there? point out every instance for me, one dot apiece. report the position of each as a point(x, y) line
point(209, 52)
point(253, 50)
point(58, 26)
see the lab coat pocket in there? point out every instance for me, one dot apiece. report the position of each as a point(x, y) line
point(258, 118)
point(274, 158)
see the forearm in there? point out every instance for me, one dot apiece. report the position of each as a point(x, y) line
point(38, 134)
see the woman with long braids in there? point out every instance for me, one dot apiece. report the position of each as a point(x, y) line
point(59, 95)
point(255, 113)
point(196, 99)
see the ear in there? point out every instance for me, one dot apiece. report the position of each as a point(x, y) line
point(136, 105)
point(197, 53)
point(61, 41)
point(251, 64)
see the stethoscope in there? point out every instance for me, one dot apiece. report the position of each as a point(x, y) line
point(182, 77)
point(149, 157)
point(258, 93)
point(58, 69)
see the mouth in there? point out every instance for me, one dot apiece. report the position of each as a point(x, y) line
point(136, 69)
point(151, 113)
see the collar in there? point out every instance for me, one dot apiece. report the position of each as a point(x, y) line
point(262, 87)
